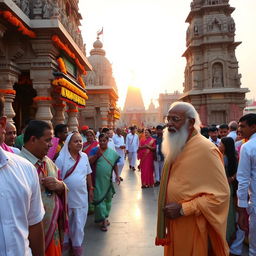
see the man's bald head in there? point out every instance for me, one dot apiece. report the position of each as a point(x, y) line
point(11, 134)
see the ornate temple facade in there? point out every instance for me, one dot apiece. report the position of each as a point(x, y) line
point(165, 100)
point(101, 109)
point(212, 82)
point(42, 61)
point(134, 112)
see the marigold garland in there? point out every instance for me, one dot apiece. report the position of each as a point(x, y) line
point(65, 83)
point(65, 48)
point(40, 98)
point(81, 81)
point(17, 23)
point(7, 91)
point(62, 65)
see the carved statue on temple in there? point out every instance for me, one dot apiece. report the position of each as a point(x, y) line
point(38, 4)
point(46, 10)
point(24, 5)
point(217, 75)
point(17, 2)
point(56, 9)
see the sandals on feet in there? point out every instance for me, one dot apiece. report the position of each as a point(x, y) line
point(103, 228)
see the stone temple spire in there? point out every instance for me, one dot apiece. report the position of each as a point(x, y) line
point(212, 82)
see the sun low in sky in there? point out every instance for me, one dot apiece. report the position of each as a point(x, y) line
point(145, 39)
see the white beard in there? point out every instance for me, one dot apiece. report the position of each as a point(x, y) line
point(173, 143)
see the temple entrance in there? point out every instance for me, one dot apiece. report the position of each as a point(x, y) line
point(23, 104)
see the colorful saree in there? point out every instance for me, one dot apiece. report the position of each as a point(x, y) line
point(87, 146)
point(146, 157)
point(55, 219)
point(103, 188)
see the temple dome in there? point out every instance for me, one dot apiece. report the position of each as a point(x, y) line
point(101, 74)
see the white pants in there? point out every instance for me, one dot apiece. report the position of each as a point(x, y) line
point(158, 166)
point(77, 219)
point(132, 157)
point(252, 230)
point(120, 166)
point(237, 246)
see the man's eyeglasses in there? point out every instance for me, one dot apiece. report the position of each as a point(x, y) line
point(174, 119)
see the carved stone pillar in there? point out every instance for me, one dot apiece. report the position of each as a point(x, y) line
point(72, 112)
point(59, 117)
point(104, 116)
point(41, 73)
point(7, 80)
point(43, 99)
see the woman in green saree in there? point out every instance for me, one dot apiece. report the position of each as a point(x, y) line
point(104, 162)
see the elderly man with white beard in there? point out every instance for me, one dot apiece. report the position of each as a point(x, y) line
point(194, 193)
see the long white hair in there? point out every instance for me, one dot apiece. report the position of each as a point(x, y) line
point(189, 111)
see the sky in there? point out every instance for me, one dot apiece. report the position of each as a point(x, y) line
point(144, 41)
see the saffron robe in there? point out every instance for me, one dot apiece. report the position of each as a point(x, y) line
point(198, 181)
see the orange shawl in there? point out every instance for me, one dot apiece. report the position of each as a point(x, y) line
point(198, 181)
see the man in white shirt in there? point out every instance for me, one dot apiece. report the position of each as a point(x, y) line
point(118, 139)
point(246, 176)
point(213, 135)
point(232, 130)
point(21, 208)
point(132, 145)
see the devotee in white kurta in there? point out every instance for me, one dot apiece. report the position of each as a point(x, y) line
point(76, 173)
point(132, 145)
point(118, 139)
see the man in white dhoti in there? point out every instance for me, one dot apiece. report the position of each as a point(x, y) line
point(132, 145)
point(118, 139)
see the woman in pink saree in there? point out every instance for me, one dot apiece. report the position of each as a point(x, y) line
point(146, 156)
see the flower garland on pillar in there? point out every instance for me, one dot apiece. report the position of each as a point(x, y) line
point(7, 91)
point(41, 98)
point(62, 65)
point(81, 81)
point(17, 23)
point(66, 49)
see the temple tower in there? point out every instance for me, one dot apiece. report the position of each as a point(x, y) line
point(212, 82)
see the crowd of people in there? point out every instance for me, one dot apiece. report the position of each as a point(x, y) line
point(49, 183)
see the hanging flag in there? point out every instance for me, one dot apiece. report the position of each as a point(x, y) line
point(100, 32)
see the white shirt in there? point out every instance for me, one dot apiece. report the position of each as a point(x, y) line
point(246, 173)
point(20, 203)
point(77, 181)
point(119, 141)
point(233, 135)
point(15, 150)
point(132, 142)
point(111, 144)
point(217, 142)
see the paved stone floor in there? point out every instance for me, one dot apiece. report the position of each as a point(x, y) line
point(133, 222)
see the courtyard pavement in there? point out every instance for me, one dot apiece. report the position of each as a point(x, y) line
point(133, 222)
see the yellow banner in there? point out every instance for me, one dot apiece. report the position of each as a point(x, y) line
point(72, 96)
